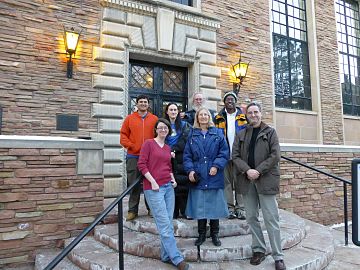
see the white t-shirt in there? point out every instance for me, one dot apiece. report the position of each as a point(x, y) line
point(230, 132)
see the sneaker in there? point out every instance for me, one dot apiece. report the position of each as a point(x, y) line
point(280, 265)
point(231, 214)
point(131, 216)
point(257, 258)
point(240, 214)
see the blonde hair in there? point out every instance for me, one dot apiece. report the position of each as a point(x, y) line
point(196, 120)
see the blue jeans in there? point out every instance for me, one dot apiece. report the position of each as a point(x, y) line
point(161, 204)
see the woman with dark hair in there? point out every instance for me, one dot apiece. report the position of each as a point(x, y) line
point(205, 156)
point(177, 141)
point(159, 183)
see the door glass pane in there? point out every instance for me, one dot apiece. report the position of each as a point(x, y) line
point(173, 81)
point(142, 77)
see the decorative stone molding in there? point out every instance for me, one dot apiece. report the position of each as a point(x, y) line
point(151, 31)
point(184, 16)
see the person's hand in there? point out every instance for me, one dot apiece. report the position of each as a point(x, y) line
point(154, 186)
point(191, 176)
point(182, 115)
point(213, 171)
point(173, 183)
point(172, 154)
point(252, 174)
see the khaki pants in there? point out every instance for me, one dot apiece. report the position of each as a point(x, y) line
point(270, 211)
point(132, 174)
point(229, 180)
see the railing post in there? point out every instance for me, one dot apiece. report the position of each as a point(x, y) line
point(346, 214)
point(120, 236)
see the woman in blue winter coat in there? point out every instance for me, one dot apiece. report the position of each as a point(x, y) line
point(205, 156)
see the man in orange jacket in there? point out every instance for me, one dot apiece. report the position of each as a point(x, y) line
point(136, 128)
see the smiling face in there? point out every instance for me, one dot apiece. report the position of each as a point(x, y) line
point(172, 112)
point(230, 104)
point(254, 116)
point(198, 101)
point(142, 105)
point(161, 130)
point(203, 117)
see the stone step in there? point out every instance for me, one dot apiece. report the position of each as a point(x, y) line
point(228, 227)
point(232, 248)
point(314, 252)
point(44, 257)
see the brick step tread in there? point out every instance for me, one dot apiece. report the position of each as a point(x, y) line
point(314, 252)
point(148, 245)
point(44, 257)
point(228, 227)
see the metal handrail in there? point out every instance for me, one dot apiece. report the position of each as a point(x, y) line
point(103, 214)
point(345, 182)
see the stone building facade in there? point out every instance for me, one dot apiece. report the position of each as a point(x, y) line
point(204, 37)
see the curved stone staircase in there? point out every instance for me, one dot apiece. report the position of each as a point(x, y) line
point(307, 246)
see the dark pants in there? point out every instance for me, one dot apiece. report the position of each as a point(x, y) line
point(132, 174)
point(180, 205)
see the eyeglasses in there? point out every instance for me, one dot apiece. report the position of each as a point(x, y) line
point(162, 128)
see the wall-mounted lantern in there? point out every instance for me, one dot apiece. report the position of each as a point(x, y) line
point(240, 69)
point(71, 39)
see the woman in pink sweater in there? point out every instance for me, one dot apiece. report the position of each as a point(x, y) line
point(159, 183)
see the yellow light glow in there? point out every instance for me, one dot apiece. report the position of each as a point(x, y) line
point(241, 70)
point(71, 41)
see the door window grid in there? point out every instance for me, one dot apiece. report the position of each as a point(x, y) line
point(348, 35)
point(169, 84)
point(291, 57)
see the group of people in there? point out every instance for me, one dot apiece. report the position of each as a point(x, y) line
point(193, 162)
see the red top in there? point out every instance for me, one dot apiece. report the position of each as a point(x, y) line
point(157, 161)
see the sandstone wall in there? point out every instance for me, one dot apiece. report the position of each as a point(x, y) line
point(42, 200)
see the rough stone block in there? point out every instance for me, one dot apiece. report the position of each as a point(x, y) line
point(110, 125)
point(52, 207)
point(207, 58)
point(112, 169)
point(114, 15)
point(207, 82)
point(210, 71)
point(114, 154)
point(113, 42)
point(208, 35)
point(106, 110)
point(84, 220)
point(112, 69)
point(13, 197)
point(181, 33)
point(134, 34)
point(108, 139)
point(108, 82)
point(165, 29)
point(194, 45)
point(34, 172)
point(108, 55)
point(14, 235)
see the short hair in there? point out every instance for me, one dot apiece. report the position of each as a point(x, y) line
point(254, 103)
point(196, 121)
point(142, 97)
point(164, 121)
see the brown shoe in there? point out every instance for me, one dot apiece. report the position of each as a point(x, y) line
point(257, 258)
point(183, 266)
point(280, 265)
point(131, 216)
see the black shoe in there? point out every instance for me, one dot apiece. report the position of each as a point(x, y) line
point(240, 214)
point(201, 239)
point(257, 258)
point(231, 215)
point(215, 239)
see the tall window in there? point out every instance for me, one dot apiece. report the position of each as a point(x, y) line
point(348, 33)
point(161, 83)
point(291, 57)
